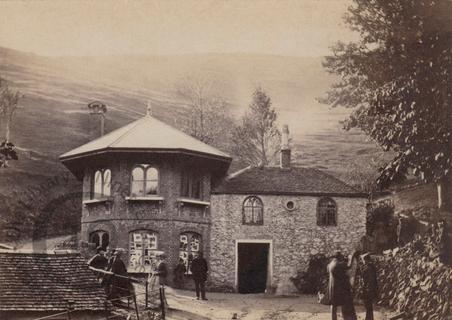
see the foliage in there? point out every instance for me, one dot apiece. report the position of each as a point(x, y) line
point(397, 78)
point(315, 278)
point(256, 140)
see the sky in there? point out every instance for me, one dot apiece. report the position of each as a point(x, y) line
point(105, 27)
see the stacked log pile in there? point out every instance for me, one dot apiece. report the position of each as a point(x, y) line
point(414, 280)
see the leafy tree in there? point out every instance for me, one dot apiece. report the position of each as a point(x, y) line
point(256, 140)
point(397, 77)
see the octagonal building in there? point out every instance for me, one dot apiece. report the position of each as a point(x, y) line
point(146, 188)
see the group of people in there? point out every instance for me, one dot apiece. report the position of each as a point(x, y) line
point(117, 284)
point(199, 270)
point(340, 292)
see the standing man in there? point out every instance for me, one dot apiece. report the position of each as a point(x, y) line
point(199, 270)
point(179, 272)
point(339, 288)
point(370, 285)
point(161, 270)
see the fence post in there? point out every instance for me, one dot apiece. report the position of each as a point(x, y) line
point(147, 294)
point(162, 301)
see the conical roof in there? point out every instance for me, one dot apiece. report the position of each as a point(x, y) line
point(145, 134)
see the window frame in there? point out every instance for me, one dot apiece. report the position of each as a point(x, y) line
point(254, 222)
point(145, 167)
point(326, 213)
point(102, 194)
point(151, 257)
point(100, 233)
point(188, 182)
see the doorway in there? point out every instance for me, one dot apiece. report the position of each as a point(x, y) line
point(252, 267)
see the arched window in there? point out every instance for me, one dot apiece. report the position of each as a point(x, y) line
point(100, 238)
point(144, 181)
point(142, 248)
point(101, 186)
point(190, 245)
point(253, 211)
point(326, 212)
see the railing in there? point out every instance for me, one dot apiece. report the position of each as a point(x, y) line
point(150, 291)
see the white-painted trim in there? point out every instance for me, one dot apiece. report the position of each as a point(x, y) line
point(150, 198)
point(193, 201)
point(270, 259)
point(90, 201)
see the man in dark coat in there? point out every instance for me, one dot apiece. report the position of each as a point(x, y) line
point(179, 272)
point(370, 285)
point(199, 270)
point(161, 270)
point(339, 288)
point(98, 261)
point(119, 285)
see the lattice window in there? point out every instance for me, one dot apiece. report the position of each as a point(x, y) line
point(191, 186)
point(326, 212)
point(190, 246)
point(253, 211)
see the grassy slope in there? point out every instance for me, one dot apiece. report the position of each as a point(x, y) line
point(56, 90)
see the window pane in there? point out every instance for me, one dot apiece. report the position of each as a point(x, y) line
point(137, 185)
point(151, 181)
point(185, 189)
point(107, 183)
point(97, 184)
point(196, 189)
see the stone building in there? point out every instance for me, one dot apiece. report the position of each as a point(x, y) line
point(267, 221)
point(146, 188)
point(57, 286)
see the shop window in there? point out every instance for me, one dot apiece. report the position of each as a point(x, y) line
point(144, 181)
point(190, 246)
point(326, 212)
point(142, 248)
point(253, 211)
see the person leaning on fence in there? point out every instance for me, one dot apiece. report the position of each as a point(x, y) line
point(199, 271)
point(339, 288)
point(179, 272)
point(98, 261)
point(370, 285)
point(120, 286)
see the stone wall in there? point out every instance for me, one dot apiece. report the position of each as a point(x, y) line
point(294, 234)
point(168, 217)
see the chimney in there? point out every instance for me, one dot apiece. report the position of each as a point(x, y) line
point(285, 148)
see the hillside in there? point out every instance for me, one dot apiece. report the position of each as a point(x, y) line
point(53, 118)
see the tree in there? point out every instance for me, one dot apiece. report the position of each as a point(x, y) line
point(209, 119)
point(256, 140)
point(9, 100)
point(397, 78)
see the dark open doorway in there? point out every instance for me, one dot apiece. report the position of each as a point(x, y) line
point(252, 267)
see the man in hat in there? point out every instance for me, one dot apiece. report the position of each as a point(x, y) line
point(99, 261)
point(370, 285)
point(339, 288)
point(120, 285)
point(199, 270)
point(161, 269)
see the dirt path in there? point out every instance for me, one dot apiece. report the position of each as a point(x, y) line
point(222, 306)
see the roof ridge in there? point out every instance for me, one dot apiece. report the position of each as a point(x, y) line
point(238, 172)
point(136, 122)
point(186, 134)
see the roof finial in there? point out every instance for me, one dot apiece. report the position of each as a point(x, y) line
point(149, 109)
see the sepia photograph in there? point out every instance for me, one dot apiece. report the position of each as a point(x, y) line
point(226, 159)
